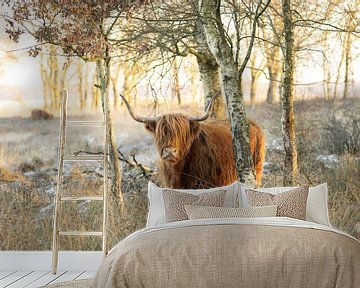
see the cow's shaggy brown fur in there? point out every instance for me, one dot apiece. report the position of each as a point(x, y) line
point(202, 153)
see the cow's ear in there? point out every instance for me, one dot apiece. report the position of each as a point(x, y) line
point(194, 128)
point(150, 126)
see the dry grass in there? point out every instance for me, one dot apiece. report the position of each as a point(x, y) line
point(26, 221)
point(344, 196)
point(27, 186)
point(315, 137)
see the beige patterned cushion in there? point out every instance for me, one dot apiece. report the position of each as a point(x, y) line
point(290, 204)
point(201, 212)
point(175, 201)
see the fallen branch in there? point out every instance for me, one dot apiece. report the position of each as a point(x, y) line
point(146, 170)
point(134, 163)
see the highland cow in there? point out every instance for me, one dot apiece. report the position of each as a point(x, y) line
point(38, 114)
point(196, 154)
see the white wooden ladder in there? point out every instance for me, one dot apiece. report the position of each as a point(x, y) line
point(59, 198)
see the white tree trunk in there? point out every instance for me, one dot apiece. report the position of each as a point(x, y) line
point(347, 65)
point(103, 70)
point(274, 70)
point(223, 54)
point(176, 82)
point(209, 73)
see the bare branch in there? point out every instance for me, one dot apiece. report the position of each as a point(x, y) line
point(258, 13)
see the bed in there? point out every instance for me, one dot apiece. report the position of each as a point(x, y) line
point(233, 252)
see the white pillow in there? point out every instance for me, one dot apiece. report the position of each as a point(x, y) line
point(242, 198)
point(156, 213)
point(316, 206)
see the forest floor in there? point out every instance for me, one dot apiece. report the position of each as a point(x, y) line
point(328, 139)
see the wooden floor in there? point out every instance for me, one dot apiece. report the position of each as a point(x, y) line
point(32, 268)
point(31, 279)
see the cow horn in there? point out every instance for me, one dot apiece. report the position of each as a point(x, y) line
point(132, 114)
point(207, 111)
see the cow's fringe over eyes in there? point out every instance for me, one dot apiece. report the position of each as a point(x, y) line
point(173, 130)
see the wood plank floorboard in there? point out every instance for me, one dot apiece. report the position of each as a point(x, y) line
point(28, 279)
point(46, 279)
point(68, 276)
point(87, 275)
point(12, 278)
point(35, 279)
point(5, 274)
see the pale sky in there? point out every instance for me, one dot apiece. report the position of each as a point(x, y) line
point(20, 81)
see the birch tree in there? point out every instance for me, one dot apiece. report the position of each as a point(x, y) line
point(256, 70)
point(273, 65)
point(271, 48)
point(351, 24)
point(209, 72)
point(79, 71)
point(286, 41)
point(311, 22)
point(95, 91)
point(227, 55)
point(114, 83)
point(53, 71)
point(175, 87)
point(287, 98)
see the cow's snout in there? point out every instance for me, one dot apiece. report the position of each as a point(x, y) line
point(169, 153)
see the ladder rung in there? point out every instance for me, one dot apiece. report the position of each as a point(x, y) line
point(80, 198)
point(84, 123)
point(80, 233)
point(84, 158)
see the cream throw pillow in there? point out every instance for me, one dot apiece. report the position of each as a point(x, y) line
point(175, 203)
point(201, 212)
point(156, 213)
point(317, 202)
point(290, 204)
